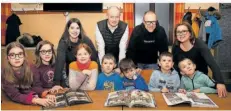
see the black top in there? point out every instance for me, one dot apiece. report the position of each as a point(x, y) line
point(66, 55)
point(12, 32)
point(201, 56)
point(112, 40)
point(144, 46)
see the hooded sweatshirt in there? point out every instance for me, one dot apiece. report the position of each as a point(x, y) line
point(144, 46)
point(199, 81)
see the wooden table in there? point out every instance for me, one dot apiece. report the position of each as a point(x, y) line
point(223, 104)
point(98, 98)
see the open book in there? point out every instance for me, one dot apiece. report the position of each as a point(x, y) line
point(130, 98)
point(195, 99)
point(69, 98)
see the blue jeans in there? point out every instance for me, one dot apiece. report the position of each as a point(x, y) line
point(147, 66)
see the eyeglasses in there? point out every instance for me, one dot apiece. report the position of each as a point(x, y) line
point(43, 52)
point(13, 55)
point(183, 32)
point(150, 22)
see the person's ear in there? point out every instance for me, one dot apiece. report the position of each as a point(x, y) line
point(158, 62)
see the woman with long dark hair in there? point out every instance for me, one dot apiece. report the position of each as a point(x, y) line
point(72, 36)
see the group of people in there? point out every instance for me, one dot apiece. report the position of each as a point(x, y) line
point(77, 62)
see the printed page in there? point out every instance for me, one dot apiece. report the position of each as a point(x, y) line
point(200, 100)
point(118, 98)
point(175, 98)
point(141, 99)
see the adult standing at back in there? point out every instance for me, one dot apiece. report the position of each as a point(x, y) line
point(112, 35)
point(146, 41)
point(72, 36)
point(187, 45)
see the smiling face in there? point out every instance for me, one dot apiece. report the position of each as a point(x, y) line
point(16, 57)
point(83, 55)
point(113, 16)
point(108, 65)
point(183, 34)
point(187, 67)
point(46, 53)
point(149, 21)
point(166, 63)
point(74, 30)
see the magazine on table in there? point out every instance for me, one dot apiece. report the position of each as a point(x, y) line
point(69, 98)
point(195, 99)
point(130, 98)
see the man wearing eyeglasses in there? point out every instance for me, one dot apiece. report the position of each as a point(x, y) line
point(147, 40)
point(112, 35)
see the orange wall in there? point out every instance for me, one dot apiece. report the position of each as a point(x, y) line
point(51, 26)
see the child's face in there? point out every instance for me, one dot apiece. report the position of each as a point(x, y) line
point(130, 73)
point(166, 63)
point(16, 57)
point(83, 56)
point(46, 53)
point(187, 67)
point(108, 65)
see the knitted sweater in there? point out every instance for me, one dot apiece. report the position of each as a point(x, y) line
point(78, 80)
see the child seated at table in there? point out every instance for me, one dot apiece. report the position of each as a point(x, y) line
point(192, 80)
point(165, 79)
point(131, 79)
point(108, 79)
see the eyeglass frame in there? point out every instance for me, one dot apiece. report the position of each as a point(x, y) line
point(20, 55)
point(46, 51)
point(183, 32)
point(150, 22)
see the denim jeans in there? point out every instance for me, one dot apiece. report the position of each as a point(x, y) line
point(147, 66)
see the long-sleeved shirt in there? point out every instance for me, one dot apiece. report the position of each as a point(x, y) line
point(138, 83)
point(66, 55)
point(42, 78)
point(159, 80)
point(199, 81)
point(144, 46)
point(111, 83)
point(16, 93)
point(78, 80)
point(201, 56)
point(101, 43)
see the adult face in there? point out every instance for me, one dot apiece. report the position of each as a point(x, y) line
point(74, 30)
point(113, 16)
point(150, 21)
point(182, 34)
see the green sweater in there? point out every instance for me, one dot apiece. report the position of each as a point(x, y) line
point(199, 81)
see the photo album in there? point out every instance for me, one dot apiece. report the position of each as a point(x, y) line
point(132, 98)
point(195, 99)
point(69, 98)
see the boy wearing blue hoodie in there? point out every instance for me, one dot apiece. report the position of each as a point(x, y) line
point(131, 79)
point(165, 79)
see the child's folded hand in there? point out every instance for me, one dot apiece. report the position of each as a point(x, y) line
point(182, 91)
point(87, 72)
point(138, 70)
point(196, 90)
point(55, 89)
point(164, 90)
